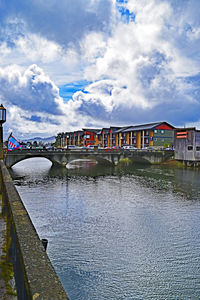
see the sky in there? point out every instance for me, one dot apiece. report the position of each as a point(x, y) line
point(71, 64)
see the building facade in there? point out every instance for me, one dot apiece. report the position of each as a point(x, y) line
point(187, 144)
point(90, 137)
point(160, 134)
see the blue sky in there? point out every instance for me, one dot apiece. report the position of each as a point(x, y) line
point(81, 63)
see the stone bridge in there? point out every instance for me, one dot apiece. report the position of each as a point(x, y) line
point(63, 157)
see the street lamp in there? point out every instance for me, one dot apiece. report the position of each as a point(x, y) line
point(2, 120)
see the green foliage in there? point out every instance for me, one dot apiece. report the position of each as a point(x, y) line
point(168, 145)
point(125, 161)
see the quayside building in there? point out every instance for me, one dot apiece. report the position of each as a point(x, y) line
point(187, 145)
point(159, 134)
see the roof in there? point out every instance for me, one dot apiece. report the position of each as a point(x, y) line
point(115, 129)
point(145, 126)
point(123, 129)
point(91, 129)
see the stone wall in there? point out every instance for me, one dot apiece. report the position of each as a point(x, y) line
point(34, 274)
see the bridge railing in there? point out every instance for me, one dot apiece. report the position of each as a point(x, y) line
point(101, 150)
point(35, 276)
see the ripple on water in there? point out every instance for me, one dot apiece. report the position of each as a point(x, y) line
point(130, 234)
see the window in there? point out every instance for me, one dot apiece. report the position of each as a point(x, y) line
point(190, 148)
point(162, 131)
point(198, 148)
point(147, 132)
point(155, 131)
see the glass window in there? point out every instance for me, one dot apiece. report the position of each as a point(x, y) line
point(162, 131)
point(155, 131)
point(198, 148)
point(190, 148)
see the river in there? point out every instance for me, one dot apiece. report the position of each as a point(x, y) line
point(120, 233)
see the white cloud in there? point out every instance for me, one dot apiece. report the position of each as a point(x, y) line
point(141, 71)
point(37, 48)
point(59, 62)
point(33, 103)
point(4, 50)
point(140, 66)
point(31, 90)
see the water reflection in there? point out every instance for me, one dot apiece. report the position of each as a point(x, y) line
point(181, 180)
point(125, 232)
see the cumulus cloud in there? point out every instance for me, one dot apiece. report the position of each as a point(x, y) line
point(140, 73)
point(139, 57)
point(30, 90)
point(33, 103)
point(28, 48)
point(49, 33)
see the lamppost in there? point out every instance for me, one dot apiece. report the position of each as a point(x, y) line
point(2, 120)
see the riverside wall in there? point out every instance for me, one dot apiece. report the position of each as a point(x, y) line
point(35, 276)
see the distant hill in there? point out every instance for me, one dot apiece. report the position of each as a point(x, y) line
point(47, 140)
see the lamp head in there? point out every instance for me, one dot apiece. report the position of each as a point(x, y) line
point(2, 114)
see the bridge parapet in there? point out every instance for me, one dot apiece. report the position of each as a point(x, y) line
point(112, 156)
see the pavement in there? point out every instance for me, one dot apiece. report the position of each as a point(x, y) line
point(3, 291)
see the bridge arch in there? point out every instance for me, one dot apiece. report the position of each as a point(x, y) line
point(10, 161)
point(99, 160)
point(35, 160)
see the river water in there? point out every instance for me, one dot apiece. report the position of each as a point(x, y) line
point(118, 233)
